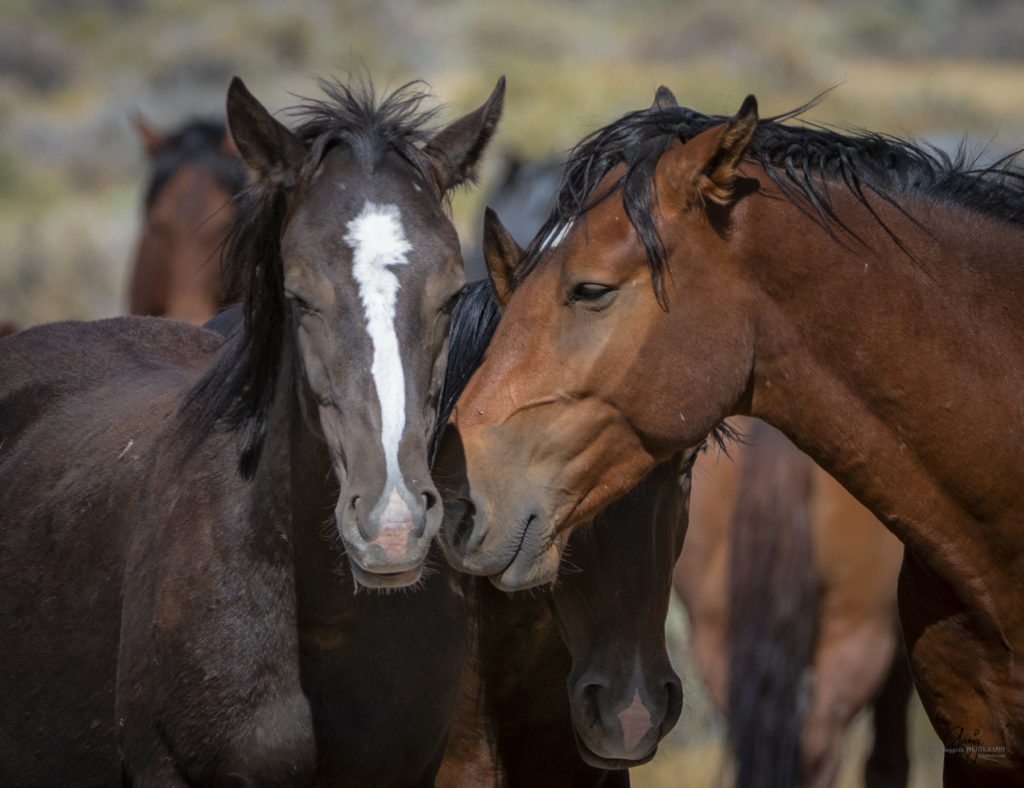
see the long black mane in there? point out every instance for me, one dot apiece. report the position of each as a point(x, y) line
point(239, 386)
point(798, 158)
point(473, 322)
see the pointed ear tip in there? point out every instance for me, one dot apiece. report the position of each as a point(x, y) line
point(237, 89)
point(749, 104)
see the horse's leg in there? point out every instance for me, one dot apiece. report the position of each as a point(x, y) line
point(970, 690)
point(888, 766)
point(851, 662)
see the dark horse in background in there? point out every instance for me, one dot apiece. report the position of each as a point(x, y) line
point(832, 575)
point(177, 508)
point(571, 685)
point(195, 173)
point(859, 293)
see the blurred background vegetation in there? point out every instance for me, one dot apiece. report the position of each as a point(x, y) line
point(73, 72)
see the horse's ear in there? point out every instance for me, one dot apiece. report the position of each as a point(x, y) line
point(703, 169)
point(456, 149)
point(265, 144)
point(727, 144)
point(501, 253)
point(664, 98)
point(150, 135)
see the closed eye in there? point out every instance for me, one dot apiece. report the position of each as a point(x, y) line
point(301, 303)
point(591, 295)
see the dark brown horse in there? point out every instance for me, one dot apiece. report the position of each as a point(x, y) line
point(177, 508)
point(857, 292)
point(599, 632)
point(195, 174)
point(790, 587)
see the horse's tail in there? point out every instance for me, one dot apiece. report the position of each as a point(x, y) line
point(772, 610)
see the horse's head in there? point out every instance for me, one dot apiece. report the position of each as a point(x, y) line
point(195, 173)
point(603, 363)
point(611, 606)
point(371, 271)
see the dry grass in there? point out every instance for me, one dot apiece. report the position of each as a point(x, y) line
point(68, 158)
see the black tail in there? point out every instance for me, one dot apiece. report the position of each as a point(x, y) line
point(473, 322)
point(772, 610)
point(888, 766)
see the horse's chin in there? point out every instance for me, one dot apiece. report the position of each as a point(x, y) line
point(591, 758)
point(385, 580)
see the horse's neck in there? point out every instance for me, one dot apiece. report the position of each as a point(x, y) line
point(902, 376)
point(294, 493)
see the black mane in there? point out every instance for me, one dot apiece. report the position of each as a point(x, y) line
point(796, 158)
point(473, 322)
point(240, 384)
point(198, 142)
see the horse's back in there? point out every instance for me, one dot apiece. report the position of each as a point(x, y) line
point(78, 404)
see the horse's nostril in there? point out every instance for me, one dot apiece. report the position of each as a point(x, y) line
point(591, 694)
point(674, 706)
point(429, 500)
point(354, 501)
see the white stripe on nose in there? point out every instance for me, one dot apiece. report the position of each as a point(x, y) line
point(636, 722)
point(378, 242)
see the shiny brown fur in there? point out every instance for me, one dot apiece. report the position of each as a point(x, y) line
point(866, 305)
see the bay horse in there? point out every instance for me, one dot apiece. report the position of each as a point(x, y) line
point(598, 631)
point(785, 577)
point(177, 507)
point(857, 292)
point(832, 575)
point(195, 173)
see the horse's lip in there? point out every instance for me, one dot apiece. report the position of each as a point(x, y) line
point(591, 758)
point(519, 547)
point(400, 579)
point(497, 578)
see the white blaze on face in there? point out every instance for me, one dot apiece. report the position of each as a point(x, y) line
point(378, 242)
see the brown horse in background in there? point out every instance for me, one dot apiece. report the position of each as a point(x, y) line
point(195, 173)
point(857, 292)
point(187, 520)
point(783, 571)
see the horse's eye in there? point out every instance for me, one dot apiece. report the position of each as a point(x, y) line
point(592, 295)
point(300, 303)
